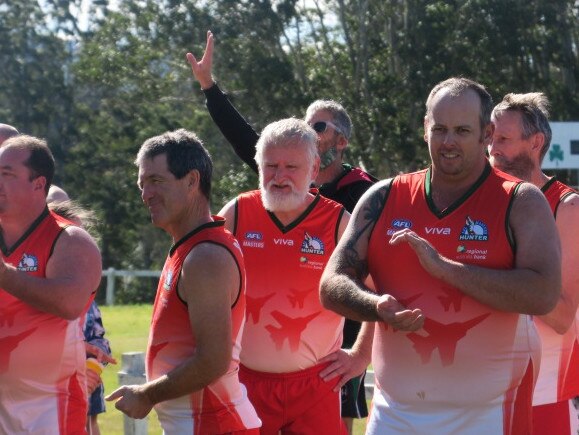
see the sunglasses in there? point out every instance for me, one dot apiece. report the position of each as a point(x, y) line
point(322, 126)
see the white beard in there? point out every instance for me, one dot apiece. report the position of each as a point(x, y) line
point(282, 202)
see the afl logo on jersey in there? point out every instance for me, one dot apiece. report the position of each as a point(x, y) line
point(397, 225)
point(28, 263)
point(253, 239)
point(474, 230)
point(168, 280)
point(312, 245)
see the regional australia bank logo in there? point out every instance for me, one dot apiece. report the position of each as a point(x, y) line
point(474, 230)
point(312, 245)
point(28, 263)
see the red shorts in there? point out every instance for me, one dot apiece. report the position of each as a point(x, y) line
point(555, 418)
point(294, 403)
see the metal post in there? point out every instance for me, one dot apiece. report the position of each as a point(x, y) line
point(133, 372)
point(110, 296)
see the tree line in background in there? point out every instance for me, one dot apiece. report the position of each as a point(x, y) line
point(97, 84)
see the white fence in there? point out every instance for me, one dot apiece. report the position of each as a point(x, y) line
point(111, 274)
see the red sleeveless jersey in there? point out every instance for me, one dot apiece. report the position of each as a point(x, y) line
point(287, 328)
point(42, 356)
point(221, 406)
point(468, 355)
point(559, 374)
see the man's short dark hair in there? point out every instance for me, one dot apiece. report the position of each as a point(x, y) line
point(40, 163)
point(459, 85)
point(185, 152)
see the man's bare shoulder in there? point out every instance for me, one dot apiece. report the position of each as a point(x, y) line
point(76, 237)
point(570, 203)
point(568, 211)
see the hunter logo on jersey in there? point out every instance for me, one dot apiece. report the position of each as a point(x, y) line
point(312, 245)
point(397, 225)
point(474, 230)
point(28, 263)
point(168, 279)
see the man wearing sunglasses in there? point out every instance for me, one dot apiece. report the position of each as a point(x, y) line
point(336, 180)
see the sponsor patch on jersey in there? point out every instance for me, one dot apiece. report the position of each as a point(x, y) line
point(312, 245)
point(464, 253)
point(438, 231)
point(28, 263)
point(306, 263)
point(474, 230)
point(253, 239)
point(168, 280)
point(398, 224)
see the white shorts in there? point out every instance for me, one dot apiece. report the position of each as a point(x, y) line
point(391, 418)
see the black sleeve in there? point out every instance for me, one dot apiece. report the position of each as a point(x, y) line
point(233, 126)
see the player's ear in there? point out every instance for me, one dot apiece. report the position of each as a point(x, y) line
point(39, 183)
point(193, 179)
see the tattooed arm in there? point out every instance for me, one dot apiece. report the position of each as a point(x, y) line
point(343, 288)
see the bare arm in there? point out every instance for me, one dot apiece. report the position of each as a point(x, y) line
point(73, 273)
point(532, 286)
point(238, 132)
point(561, 318)
point(228, 213)
point(342, 287)
point(209, 283)
point(348, 363)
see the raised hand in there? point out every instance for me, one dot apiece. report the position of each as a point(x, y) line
point(202, 69)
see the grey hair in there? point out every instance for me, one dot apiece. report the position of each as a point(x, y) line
point(339, 115)
point(185, 152)
point(534, 110)
point(287, 132)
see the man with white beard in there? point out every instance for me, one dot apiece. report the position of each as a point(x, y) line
point(287, 233)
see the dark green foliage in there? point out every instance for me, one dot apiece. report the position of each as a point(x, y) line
point(97, 90)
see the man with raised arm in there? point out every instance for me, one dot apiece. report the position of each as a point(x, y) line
point(199, 313)
point(336, 179)
point(470, 253)
point(521, 140)
point(49, 271)
point(287, 233)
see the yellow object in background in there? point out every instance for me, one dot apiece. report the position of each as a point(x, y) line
point(94, 365)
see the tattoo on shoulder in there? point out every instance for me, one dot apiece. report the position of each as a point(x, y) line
point(366, 218)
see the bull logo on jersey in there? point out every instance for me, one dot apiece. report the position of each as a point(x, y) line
point(168, 280)
point(28, 263)
point(474, 230)
point(312, 245)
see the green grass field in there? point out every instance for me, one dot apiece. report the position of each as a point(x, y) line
point(127, 329)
